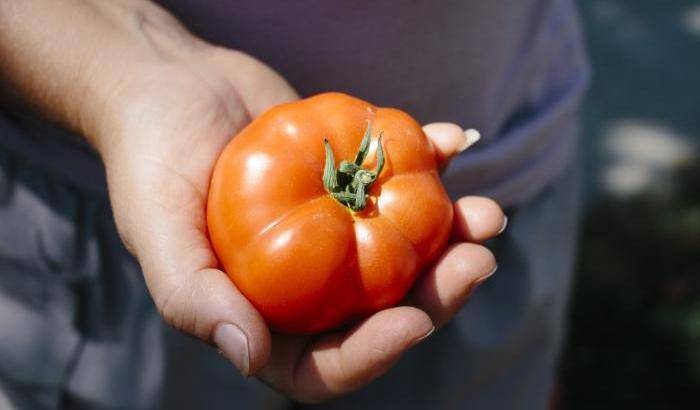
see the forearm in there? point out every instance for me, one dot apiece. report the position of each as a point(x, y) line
point(66, 58)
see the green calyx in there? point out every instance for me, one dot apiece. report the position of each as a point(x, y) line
point(350, 183)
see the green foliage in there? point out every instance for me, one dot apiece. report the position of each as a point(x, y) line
point(634, 336)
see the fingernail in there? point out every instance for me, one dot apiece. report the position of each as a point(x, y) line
point(483, 278)
point(471, 136)
point(425, 336)
point(503, 227)
point(233, 343)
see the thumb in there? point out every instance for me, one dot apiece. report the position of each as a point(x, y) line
point(167, 236)
point(206, 304)
point(449, 140)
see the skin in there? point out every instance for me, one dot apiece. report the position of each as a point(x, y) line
point(307, 262)
point(159, 105)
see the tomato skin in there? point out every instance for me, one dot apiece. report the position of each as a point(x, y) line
point(305, 261)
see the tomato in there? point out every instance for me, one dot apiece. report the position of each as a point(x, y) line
point(313, 243)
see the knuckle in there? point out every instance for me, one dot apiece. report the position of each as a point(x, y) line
point(173, 307)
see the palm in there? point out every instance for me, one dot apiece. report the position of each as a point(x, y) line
point(172, 129)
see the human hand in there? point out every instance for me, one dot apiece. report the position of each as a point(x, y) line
point(159, 105)
point(159, 152)
point(159, 149)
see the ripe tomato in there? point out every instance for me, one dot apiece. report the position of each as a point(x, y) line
point(313, 245)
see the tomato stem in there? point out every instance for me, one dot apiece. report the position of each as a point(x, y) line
point(350, 182)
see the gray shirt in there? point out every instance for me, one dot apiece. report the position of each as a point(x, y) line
point(512, 69)
point(76, 316)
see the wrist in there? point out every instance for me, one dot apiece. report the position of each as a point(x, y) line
point(151, 42)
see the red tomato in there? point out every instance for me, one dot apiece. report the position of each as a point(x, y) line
point(312, 249)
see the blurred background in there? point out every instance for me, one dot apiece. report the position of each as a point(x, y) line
point(634, 331)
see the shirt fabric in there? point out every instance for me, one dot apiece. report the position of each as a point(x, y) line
point(513, 70)
point(78, 327)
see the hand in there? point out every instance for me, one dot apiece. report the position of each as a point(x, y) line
point(159, 147)
point(159, 105)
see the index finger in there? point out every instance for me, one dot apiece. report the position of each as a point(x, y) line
point(449, 140)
